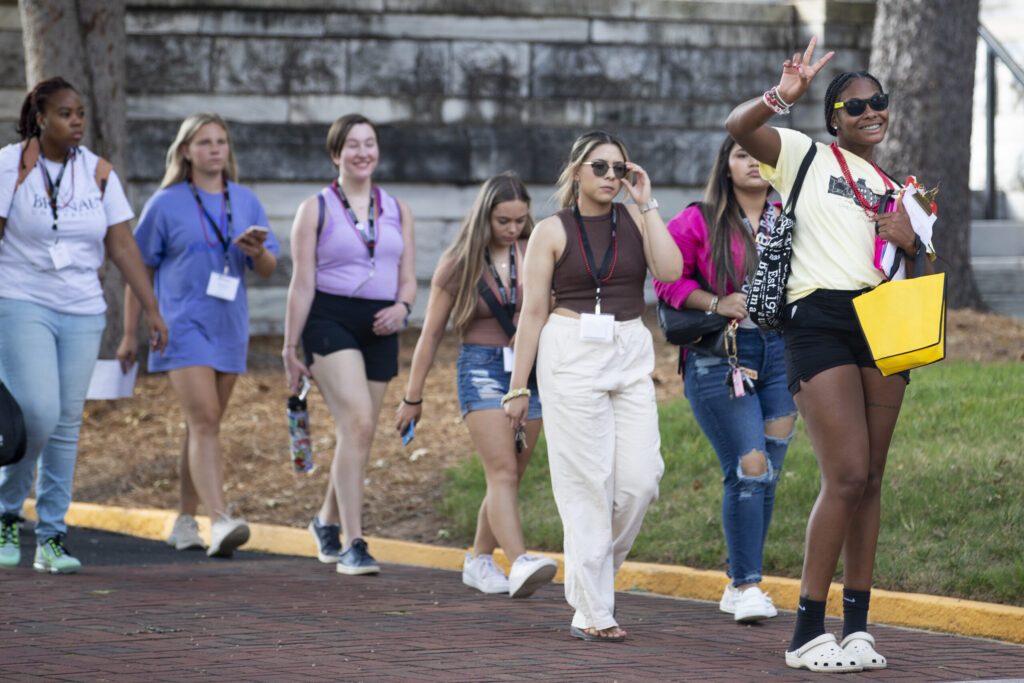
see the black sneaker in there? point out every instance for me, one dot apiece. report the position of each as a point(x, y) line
point(328, 540)
point(356, 560)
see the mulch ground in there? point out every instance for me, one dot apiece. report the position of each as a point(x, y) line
point(130, 448)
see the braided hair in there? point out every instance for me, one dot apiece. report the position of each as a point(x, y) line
point(35, 102)
point(836, 87)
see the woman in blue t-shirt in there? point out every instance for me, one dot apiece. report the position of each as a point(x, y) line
point(197, 235)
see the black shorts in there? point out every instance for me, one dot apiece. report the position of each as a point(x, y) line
point(342, 322)
point(821, 332)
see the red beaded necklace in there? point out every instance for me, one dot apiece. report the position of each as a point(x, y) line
point(870, 208)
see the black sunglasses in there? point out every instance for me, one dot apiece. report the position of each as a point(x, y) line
point(857, 106)
point(601, 168)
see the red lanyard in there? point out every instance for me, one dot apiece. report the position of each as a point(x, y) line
point(873, 208)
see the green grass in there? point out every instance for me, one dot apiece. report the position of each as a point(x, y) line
point(953, 497)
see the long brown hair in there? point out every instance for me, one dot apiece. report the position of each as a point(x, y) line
point(724, 219)
point(178, 167)
point(467, 250)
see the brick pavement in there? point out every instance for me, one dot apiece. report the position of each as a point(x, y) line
point(140, 611)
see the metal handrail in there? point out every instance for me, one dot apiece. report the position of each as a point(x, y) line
point(995, 50)
point(997, 47)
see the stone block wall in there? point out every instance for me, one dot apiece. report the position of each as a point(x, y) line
point(461, 89)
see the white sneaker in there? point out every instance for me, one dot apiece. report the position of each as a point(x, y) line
point(226, 535)
point(728, 602)
point(753, 605)
point(528, 573)
point(481, 573)
point(185, 534)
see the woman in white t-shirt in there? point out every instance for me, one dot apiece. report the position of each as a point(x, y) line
point(62, 209)
point(849, 407)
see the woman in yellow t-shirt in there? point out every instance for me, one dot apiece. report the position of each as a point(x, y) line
point(849, 408)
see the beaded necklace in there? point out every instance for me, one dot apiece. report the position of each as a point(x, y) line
point(868, 208)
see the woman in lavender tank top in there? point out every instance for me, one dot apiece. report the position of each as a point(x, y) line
point(352, 288)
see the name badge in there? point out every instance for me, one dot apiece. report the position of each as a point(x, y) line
point(508, 357)
point(597, 327)
point(222, 286)
point(60, 255)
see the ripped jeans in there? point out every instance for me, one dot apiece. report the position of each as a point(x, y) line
point(736, 427)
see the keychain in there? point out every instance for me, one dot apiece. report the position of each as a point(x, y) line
point(739, 379)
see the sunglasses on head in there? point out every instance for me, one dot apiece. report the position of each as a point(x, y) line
point(856, 106)
point(600, 168)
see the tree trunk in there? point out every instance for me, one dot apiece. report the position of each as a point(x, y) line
point(923, 53)
point(83, 41)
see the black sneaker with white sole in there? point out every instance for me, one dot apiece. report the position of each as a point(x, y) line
point(328, 540)
point(357, 560)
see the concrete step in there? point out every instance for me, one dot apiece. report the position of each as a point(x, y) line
point(997, 238)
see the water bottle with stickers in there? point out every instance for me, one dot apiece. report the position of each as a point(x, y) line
point(298, 429)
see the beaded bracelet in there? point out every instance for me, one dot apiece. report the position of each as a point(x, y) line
point(515, 393)
point(772, 100)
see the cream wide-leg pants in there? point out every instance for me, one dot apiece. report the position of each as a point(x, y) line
point(604, 450)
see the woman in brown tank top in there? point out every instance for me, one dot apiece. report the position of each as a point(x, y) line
point(594, 358)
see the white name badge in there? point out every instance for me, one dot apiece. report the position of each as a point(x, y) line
point(508, 357)
point(222, 286)
point(60, 255)
point(597, 327)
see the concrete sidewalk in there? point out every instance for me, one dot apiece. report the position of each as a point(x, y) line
point(141, 611)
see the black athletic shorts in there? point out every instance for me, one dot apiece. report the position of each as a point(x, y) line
point(821, 332)
point(342, 322)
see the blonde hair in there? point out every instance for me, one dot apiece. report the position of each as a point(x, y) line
point(567, 190)
point(178, 167)
point(467, 250)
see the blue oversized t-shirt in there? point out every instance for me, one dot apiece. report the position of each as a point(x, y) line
point(177, 239)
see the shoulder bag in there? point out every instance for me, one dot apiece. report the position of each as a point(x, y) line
point(691, 329)
point(767, 297)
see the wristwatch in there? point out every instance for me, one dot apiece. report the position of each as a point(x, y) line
point(649, 206)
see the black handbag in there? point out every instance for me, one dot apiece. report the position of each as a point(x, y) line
point(767, 296)
point(692, 329)
point(12, 429)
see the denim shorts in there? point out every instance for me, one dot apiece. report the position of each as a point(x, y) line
point(483, 380)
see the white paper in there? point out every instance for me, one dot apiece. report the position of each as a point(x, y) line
point(921, 221)
point(109, 382)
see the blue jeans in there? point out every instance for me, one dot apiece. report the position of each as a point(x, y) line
point(735, 427)
point(46, 360)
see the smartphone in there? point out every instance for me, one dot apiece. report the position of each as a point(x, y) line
point(259, 231)
point(409, 433)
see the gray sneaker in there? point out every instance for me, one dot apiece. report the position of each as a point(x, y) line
point(53, 557)
point(10, 546)
point(226, 535)
point(185, 534)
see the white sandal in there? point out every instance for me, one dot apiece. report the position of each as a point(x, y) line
point(861, 645)
point(823, 655)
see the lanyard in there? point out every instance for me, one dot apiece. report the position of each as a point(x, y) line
point(765, 226)
point(225, 203)
point(53, 186)
point(369, 237)
point(508, 303)
point(611, 254)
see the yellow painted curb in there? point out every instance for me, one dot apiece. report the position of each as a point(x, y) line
point(930, 612)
